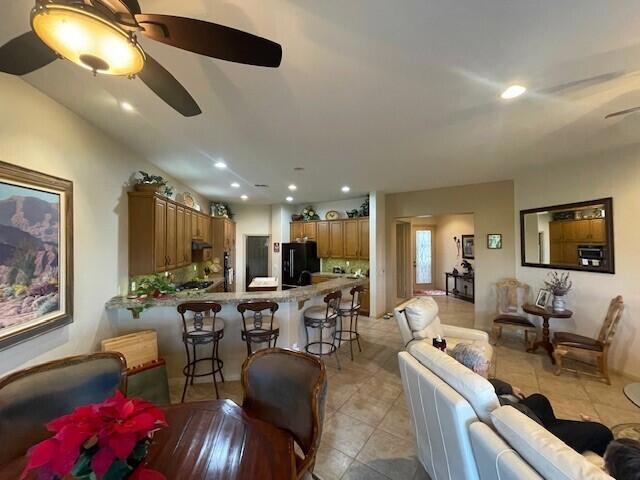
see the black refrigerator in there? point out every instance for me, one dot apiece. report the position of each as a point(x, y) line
point(298, 258)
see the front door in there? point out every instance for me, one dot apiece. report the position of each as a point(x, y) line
point(423, 261)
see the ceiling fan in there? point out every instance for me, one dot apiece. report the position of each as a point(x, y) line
point(622, 112)
point(101, 36)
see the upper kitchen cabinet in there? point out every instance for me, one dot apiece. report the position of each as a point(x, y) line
point(348, 238)
point(351, 239)
point(363, 237)
point(297, 231)
point(310, 230)
point(223, 237)
point(336, 239)
point(322, 238)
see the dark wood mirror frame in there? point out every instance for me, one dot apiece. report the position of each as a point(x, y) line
point(608, 208)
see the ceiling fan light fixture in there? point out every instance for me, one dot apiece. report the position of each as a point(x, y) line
point(513, 91)
point(86, 39)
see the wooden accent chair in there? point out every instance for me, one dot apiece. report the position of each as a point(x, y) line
point(511, 295)
point(288, 389)
point(567, 342)
point(33, 397)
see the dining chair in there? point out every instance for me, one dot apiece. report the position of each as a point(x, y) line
point(31, 398)
point(511, 295)
point(288, 389)
point(597, 348)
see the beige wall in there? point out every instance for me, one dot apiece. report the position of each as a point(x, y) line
point(492, 207)
point(38, 133)
point(617, 175)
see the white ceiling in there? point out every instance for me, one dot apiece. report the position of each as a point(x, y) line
point(377, 94)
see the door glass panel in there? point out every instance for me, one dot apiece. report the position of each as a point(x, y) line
point(423, 256)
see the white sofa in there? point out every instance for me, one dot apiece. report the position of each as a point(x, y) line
point(456, 418)
point(418, 321)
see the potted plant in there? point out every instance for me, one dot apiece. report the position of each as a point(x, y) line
point(152, 183)
point(108, 440)
point(559, 284)
point(309, 213)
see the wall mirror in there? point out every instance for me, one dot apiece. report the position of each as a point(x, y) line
point(575, 236)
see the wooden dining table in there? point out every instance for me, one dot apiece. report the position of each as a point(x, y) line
point(211, 440)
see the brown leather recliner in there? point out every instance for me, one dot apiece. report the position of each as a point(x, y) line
point(31, 398)
point(288, 389)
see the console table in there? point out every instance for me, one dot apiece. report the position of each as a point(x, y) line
point(465, 278)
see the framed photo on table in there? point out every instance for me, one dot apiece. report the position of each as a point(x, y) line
point(36, 253)
point(543, 298)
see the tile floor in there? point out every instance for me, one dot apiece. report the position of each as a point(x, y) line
point(367, 432)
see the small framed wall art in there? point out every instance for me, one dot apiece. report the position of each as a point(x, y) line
point(494, 241)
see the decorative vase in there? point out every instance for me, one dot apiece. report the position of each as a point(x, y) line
point(559, 303)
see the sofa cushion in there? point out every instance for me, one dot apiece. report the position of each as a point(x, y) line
point(545, 452)
point(422, 316)
point(474, 388)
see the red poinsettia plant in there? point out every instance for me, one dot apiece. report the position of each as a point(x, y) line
point(107, 441)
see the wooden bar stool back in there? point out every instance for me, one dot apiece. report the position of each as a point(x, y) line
point(201, 327)
point(350, 308)
point(259, 328)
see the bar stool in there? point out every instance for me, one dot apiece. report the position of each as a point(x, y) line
point(259, 329)
point(203, 328)
point(352, 309)
point(323, 317)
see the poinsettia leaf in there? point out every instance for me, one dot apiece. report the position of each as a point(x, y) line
point(82, 466)
point(117, 471)
point(140, 451)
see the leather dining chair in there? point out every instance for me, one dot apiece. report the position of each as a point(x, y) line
point(598, 348)
point(31, 398)
point(288, 389)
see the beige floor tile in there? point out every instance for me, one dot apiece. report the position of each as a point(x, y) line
point(367, 407)
point(569, 388)
point(331, 464)
point(611, 395)
point(390, 455)
point(571, 409)
point(338, 393)
point(398, 420)
point(359, 471)
point(346, 434)
point(381, 388)
point(612, 416)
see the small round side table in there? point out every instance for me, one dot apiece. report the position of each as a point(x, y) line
point(632, 391)
point(546, 314)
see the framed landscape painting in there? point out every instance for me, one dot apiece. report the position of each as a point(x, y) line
point(36, 253)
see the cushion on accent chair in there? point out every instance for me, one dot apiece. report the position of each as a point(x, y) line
point(550, 456)
point(474, 388)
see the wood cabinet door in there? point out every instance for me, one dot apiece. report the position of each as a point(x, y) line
point(582, 230)
point(363, 234)
point(570, 253)
point(194, 225)
point(310, 230)
point(160, 235)
point(569, 231)
point(297, 231)
point(229, 235)
point(555, 231)
point(597, 231)
point(351, 238)
point(180, 233)
point(172, 238)
point(188, 236)
point(555, 252)
point(336, 239)
point(322, 238)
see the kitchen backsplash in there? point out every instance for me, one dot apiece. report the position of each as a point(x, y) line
point(349, 265)
point(183, 274)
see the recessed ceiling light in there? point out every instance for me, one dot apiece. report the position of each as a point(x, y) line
point(220, 164)
point(127, 107)
point(513, 91)
point(289, 199)
point(292, 187)
point(346, 189)
point(298, 169)
point(235, 185)
point(244, 197)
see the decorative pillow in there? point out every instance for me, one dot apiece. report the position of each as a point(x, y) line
point(546, 453)
point(422, 316)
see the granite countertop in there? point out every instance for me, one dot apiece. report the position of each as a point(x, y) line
point(280, 296)
point(336, 275)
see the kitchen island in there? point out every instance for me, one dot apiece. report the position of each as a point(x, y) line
point(160, 315)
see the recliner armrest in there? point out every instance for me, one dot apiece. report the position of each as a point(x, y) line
point(467, 333)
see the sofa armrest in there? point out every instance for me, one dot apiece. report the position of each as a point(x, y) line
point(466, 333)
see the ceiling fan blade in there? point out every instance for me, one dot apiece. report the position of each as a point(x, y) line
point(25, 54)
point(133, 6)
point(211, 39)
point(622, 112)
point(158, 79)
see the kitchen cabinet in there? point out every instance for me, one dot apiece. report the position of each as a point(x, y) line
point(351, 239)
point(322, 239)
point(363, 235)
point(188, 236)
point(348, 238)
point(566, 235)
point(160, 232)
point(336, 239)
point(180, 233)
point(171, 238)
